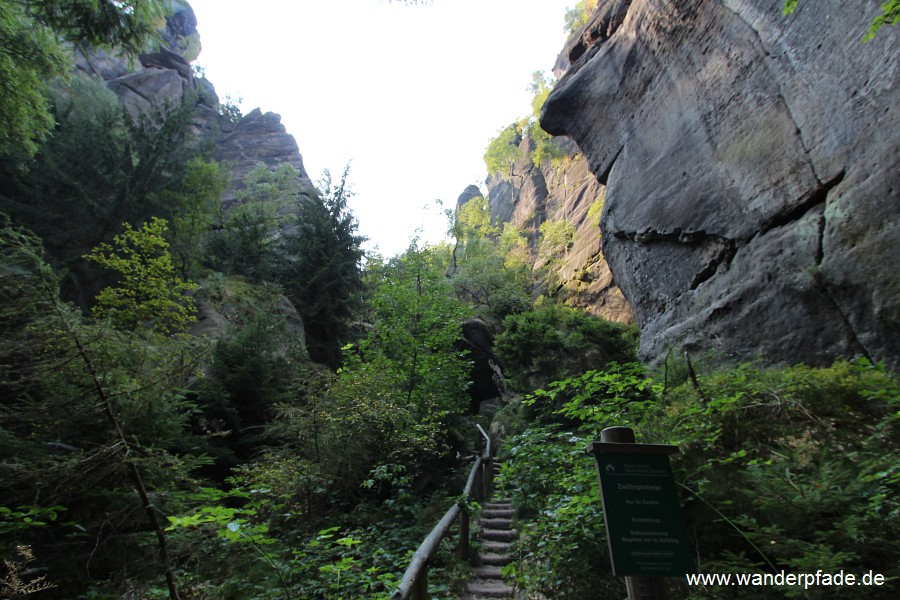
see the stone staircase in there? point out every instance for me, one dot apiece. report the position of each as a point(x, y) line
point(497, 536)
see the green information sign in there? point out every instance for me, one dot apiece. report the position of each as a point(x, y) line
point(644, 525)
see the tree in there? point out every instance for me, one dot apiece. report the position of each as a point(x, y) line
point(544, 149)
point(30, 58)
point(503, 151)
point(32, 55)
point(126, 24)
point(578, 15)
point(323, 276)
point(513, 246)
point(196, 207)
point(98, 170)
point(108, 402)
point(489, 271)
point(248, 241)
point(415, 324)
point(149, 291)
point(473, 220)
point(389, 404)
point(251, 371)
point(469, 224)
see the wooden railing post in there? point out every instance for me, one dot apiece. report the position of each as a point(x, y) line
point(464, 533)
point(414, 585)
point(478, 488)
point(420, 591)
point(487, 465)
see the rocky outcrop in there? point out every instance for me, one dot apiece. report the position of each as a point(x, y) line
point(156, 77)
point(259, 138)
point(227, 304)
point(751, 164)
point(486, 375)
point(164, 77)
point(531, 195)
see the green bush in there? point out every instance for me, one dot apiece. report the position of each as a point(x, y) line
point(257, 539)
point(562, 550)
point(792, 469)
point(554, 341)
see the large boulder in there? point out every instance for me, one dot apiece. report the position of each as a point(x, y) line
point(751, 164)
point(487, 371)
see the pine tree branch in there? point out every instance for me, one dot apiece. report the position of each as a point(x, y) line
point(106, 405)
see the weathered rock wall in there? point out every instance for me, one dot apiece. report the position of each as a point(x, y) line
point(164, 78)
point(531, 196)
point(751, 164)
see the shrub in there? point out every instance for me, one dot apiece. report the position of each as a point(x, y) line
point(562, 552)
point(553, 341)
point(790, 469)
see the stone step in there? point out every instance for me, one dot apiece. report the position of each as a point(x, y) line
point(499, 535)
point(494, 523)
point(494, 547)
point(489, 588)
point(494, 559)
point(489, 572)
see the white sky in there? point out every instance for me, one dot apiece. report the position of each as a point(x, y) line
point(410, 94)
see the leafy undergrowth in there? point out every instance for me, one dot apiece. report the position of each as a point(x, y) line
point(792, 469)
point(251, 543)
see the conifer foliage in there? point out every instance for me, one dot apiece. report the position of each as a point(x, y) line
point(32, 55)
point(324, 274)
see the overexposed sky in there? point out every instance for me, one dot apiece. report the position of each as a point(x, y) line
point(410, 94)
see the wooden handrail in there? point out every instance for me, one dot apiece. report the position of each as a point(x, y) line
point(487, 467)
point(487, 442)
point(473, 475)
point(414, 585)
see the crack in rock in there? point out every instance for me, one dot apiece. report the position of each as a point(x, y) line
point(814, 198)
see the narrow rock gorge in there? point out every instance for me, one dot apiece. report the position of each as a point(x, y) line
point(531, 195)
point(751, 165)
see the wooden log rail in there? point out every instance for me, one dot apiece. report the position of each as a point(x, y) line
point(414, 585)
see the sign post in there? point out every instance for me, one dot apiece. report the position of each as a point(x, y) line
point(645, 529)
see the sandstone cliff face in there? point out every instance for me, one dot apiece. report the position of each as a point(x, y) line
point(531, 196)
point(165, 76)
point(751, 164)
